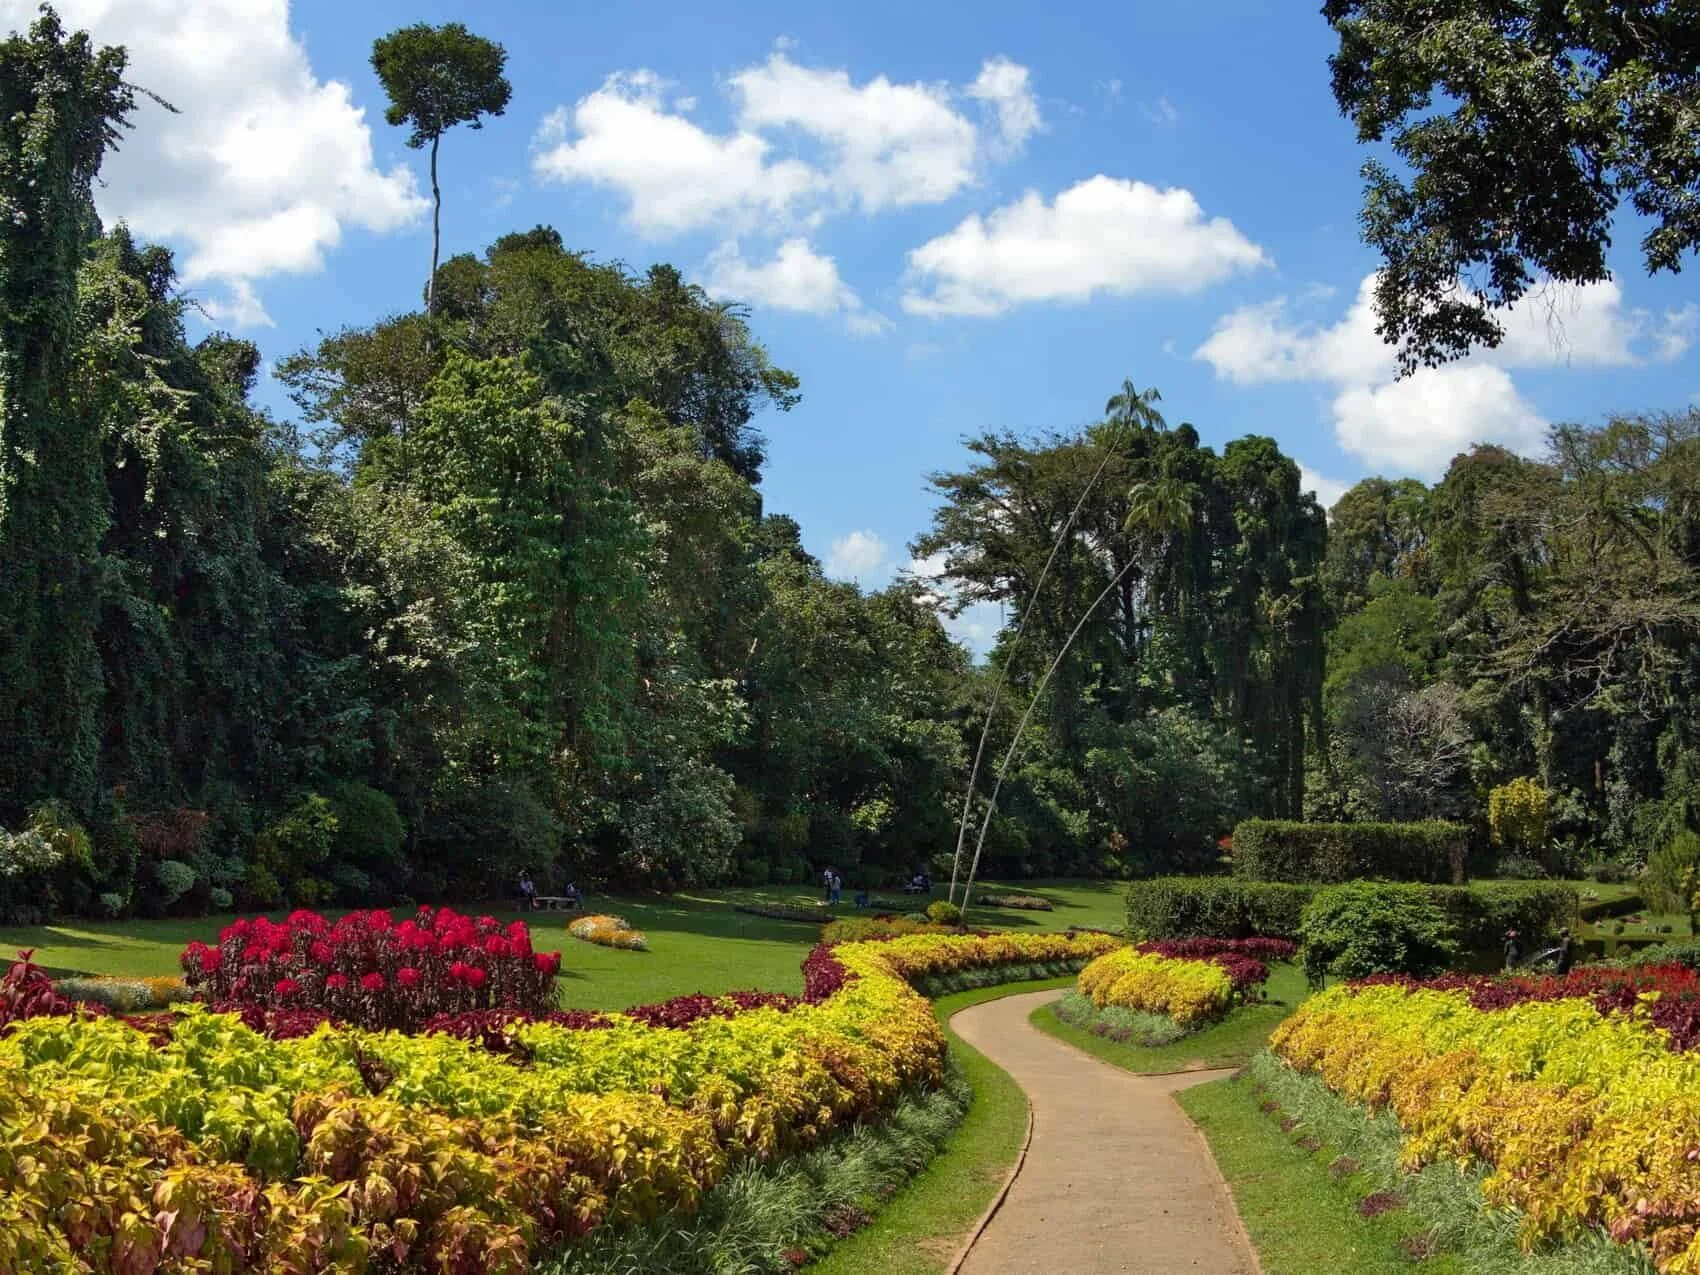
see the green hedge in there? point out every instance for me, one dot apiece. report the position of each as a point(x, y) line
point(1213, 907)
point(1225, 907)
point(1281, 850)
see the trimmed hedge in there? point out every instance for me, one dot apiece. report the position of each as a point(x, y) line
point(1329, 853)
point(1213, 907)
point(1225, 907)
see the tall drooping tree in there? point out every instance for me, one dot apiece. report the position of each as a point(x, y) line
point(62, 103)
point(437, 77)
point(1524, 124)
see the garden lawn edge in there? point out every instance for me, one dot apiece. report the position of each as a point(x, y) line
point(929, 1226)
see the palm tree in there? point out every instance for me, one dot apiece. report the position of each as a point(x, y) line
point(1131, 406)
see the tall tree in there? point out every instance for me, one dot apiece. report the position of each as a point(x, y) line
point(437, 77)
point(62, 103)
point(1524, 124)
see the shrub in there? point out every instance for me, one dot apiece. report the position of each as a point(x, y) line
point(27, 992)
point(1669, 879)
point(28, 862)
point(1518, 814)
point(1481, 913)
point(810, 912)
point(1516, 867)
point(1366, 927)
point(1190, 992)
point(112, 905)
point(942, 913)
point(124, 995)
point(1113, 1022)
point(1283, 850)
point(370, 971)
point(369, 828)
point(172, 879)
point(608, 931)
point(1212, 907)
point(861, 929)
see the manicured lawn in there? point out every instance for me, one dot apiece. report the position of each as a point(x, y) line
point(697, 942)
point(1229, 1043)
point(919, 1231)
point(1300, 1218)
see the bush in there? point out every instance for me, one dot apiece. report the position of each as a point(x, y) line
point(1668, 881)
point(172, 880)
point(1367, 927)
point(28, 861)
point(940, 912)
point(369, 829)
point(1213, 907)
point(112, 905)
point(1325, 853)
point(863, 929)
point(1482, 912)
point(1515, 867)
point(1019, 902)
point(1518, 815)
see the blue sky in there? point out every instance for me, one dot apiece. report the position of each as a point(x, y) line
point(945, 219)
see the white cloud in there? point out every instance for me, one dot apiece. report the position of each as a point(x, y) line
point(859, 556)
point(265, 166)
point(887, 145)
point(1006, 87)
point(1101, 235)
point(797, 278)
point(1418, 424)
point(1327, 490)
point(674, 175)
point(978, 625)
point(1161, 112)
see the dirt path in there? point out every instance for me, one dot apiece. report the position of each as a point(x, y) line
point(1116, 1179)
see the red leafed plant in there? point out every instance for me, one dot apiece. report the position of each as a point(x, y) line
point(27, 992)
point(370, 970)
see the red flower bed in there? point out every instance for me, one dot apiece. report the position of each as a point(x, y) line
point(682, 1011)
point(369, 970)
point(27, 992)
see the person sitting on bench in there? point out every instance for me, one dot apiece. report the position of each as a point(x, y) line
point(527, 892)
point(571, 894)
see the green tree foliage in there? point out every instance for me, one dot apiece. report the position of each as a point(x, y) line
point(62, 103)
point(1523, 126)
point(436, 78)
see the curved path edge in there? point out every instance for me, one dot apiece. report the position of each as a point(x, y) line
point(1113, 1177)
point(979, 1227)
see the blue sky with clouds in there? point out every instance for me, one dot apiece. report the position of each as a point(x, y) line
point(945, 218)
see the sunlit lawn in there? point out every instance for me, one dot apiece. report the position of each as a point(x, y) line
point(698, 943)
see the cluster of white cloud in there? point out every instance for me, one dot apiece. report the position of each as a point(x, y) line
point(871, 146)
point(1101, 235)
point(864, 558)
point(860, 556)
point(1419, 423)
point(263, 166)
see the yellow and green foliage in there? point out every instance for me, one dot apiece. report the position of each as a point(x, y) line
point(1586, 1120)
point(1189, 992)
point(608, 931)
point(209, 1146)
point(1517, 816)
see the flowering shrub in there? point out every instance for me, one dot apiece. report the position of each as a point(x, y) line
point(1583, 1105)
point(858, 929)
point(608, 931)
point(368, 970)
point(125, 995)
point(27, 992)
point(199, 1142)
point(1020, 902)
point(1187, 991)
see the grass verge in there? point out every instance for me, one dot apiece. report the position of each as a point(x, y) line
point(1229, 1043)
point(919, 1231)
point(1318, 1184)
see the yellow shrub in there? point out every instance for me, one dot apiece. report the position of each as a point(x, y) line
point(1187, 991)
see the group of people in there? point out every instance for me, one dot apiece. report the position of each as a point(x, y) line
point(920, 883)
point(570, 896)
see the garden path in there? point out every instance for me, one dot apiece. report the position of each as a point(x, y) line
point(1116, 1178)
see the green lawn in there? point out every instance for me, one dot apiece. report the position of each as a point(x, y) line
point(1300, 1218)
point(1229, 1043)
point(697, 942)
point(919, 1231)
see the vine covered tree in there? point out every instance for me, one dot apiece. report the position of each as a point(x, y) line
point(62, 105)
point(1524, 124)
point(436, 78)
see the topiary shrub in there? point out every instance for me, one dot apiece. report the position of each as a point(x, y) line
point(172, 880)
point(369, 828)
point(1214, 907)
point(1368, 927)
point(1285, 850)
point(940, 912)
point(1669, 879)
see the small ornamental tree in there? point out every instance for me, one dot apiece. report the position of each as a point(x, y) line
point(437, 77)
point(1518, 813)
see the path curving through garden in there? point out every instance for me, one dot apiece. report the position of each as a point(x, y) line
point(1115, 1179)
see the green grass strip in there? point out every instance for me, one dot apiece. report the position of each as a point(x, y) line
point(919, 1231)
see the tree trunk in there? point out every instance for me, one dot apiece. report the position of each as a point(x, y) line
point(436, 230)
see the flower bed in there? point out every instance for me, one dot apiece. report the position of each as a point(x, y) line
point(474, 1147)
point(1581, 1094)
point(1020, 902)
point(369, 970)
point(608, 931)
point(1191, 981)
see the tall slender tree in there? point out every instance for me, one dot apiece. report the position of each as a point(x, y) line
point(437, 77)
